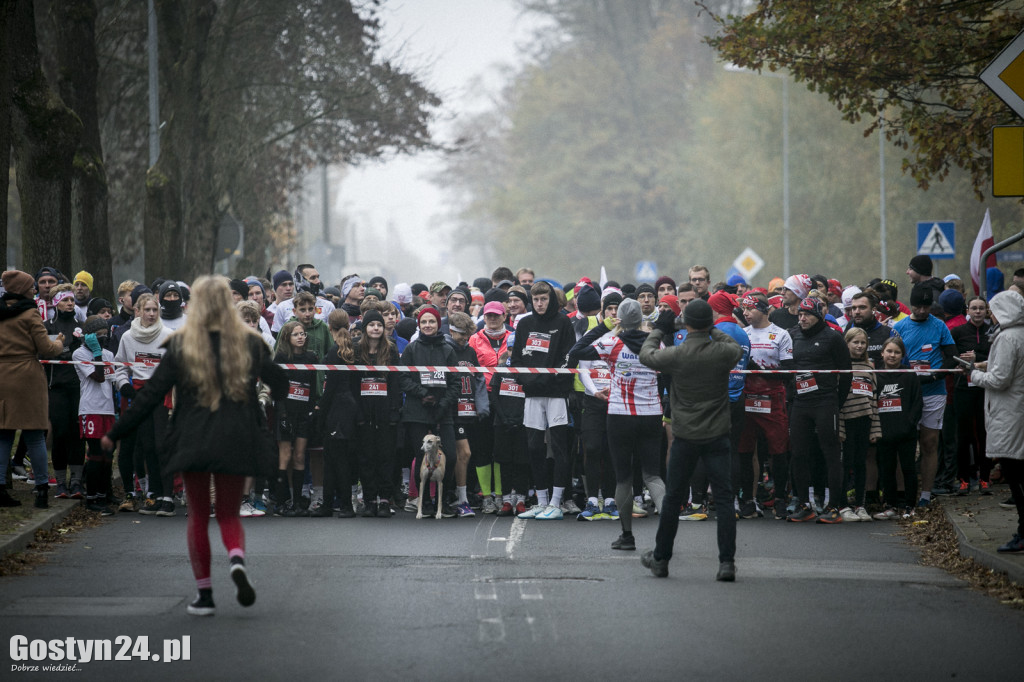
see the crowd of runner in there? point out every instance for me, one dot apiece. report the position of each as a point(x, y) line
point(855, 445)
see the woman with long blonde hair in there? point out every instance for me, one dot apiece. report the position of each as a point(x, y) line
point(213, 362)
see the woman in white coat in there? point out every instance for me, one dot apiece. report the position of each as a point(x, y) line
point(1002, 377)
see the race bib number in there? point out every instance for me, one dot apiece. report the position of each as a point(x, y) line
point(921, 366)
point(147, 358)
point(298, 391)
point(95, 425)
point(108, 371)
point(538, 343)
point(861, 388)
point(805, 383)
point(466, 408)
point(758, 404)
point(434, 378)
point(890, 405)
point(509, 387)
point(373, 386)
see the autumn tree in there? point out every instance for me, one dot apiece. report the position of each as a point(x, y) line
point(913, 64)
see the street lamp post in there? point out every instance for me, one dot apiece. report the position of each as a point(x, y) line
point(785, 155)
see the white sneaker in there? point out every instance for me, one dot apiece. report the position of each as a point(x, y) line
point(247, 509)
point(886, 514)
point(550, 513)
point(569, 506)
point(489, 506)
point(532, 512)
point(862, 514)
point(849, 516)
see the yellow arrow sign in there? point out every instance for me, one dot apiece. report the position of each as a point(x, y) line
point(1005, 75)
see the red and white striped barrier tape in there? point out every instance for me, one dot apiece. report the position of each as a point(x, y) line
point(503, 370)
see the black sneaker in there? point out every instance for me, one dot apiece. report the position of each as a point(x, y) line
point(346, 513)
point(1008, 503)
point(748, 510)
point(781, 513)
point(726, 572)
point(1016, 544)
point(803, 513)
point(41, 497)
point(370, 510)
point(324, 511)
point(448, 512)
point(830, 515)
point(203, 605)
point(384, 509)
point(165, 508)
point(243, 588)
point(101, 506)
point(627, 542)
point(659, 567)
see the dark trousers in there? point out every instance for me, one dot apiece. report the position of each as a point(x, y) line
point(1013, 472)
point(742, 462)
point(969, 408)
point(376, 460)
point(891, 452)
point(597, 461)
point(810, 426)
point(338, 466)
point(855, 454)
point(682, 461)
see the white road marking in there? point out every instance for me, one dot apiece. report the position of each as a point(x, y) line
point(515, 535)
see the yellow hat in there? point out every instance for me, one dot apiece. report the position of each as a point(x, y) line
point(85, 278)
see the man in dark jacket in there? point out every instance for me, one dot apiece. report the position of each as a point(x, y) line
point(862, 315)
point(816, 404)
point(543, 339)
point(701, 422)
point(920, 272)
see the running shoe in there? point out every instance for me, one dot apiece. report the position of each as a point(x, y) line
point(569, 506)
point(165, 508)
point(62, 491)
point(148, 507)
point(908, 512)
point(202, 606)
point(804, 513)
point(726, 572)
point(1008, 503)
point(77, 491)
point(848, 515)
point(830, 516)
point(464, 510)
point(246, 509)
point(638, 511)
point(659, 567)
point(862, 514)
point(589, 512)
point(986, 487)
point(779, 507)
point(531, 512)
point(887, 514)
point(520, 508)
point(489, 506)
point(923, 502)
point(448, 511)
point(1016, 544)
point(550, 513)
point(129, 504)
point(749, 510)
point(18, 473)
point(258, 505)
point(384, 509)
point(611, 510)
point(244, 592)
point(410, 504)
point(625, 542)
point(964, 488)
point(693, 513)
point(506, 509)
point(101, 506)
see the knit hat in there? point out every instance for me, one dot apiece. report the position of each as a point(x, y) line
point(665, 279)
point(952, 302)
point(835, 287)
point(644, 288)
point(922, 295)
point(735, 279)
point(630, 316)
point(94, 324)
point(495, 294)
point(698, 314)
point(85, 278)
point(482, 283)
point(848, 294)
point(775, 301)
point(722, 303)
point(375, 293)
point(371, 315)
point(775, 283)
point(922, 265)
point(798, 284)
point(672, 302)
point(459, 291)
point(478, 296)
point(611, 298)
point(378, 280)
point(812, 306)
point(18, 282)
point(139, 290)
point(282, 276)
point(348, 284)
point(98, 304)
point(239, 287)
point(494, 308)
point(403, 293)
point(425, 310)
point(587, 300)
point(254, 282)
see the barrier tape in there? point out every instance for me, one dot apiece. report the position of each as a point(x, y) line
point(502, 370)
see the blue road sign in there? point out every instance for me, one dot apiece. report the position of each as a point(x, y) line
point(646, 271)
point(936, 239)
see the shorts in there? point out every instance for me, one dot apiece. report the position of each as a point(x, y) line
point(94, 425)
point(774, 425)
point(543, 413)
point(292, 422)
point(934, 407)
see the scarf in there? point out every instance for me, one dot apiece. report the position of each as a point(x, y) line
point(495, 333)
point(146, 335)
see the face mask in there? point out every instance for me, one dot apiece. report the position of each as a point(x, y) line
point(170, 309)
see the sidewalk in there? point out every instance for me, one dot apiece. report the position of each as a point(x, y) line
point(981, 526)
point(24, 532)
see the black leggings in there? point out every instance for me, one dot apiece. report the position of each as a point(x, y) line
point(67, 447)
point(1013, 472)
point(889, 452)
point(969, 408)
point(597, 461)
point(855, 454)
point(816, 425)
point(338, 465)
point(634, 438)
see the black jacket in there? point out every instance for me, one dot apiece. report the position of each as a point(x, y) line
point(338, 404)
point(508, 401)
point(878, 334)
point(899, 405)
point(379, 409)
point(472, 391)
point(442, 385)
point(820, 347)
point(544, 341)
point(967, 338)
point(230, 440)
point(64, 376)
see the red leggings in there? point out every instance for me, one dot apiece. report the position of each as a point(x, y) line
point(229, 494)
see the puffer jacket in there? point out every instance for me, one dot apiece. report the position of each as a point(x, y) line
point(1003, 380)
point(441, 384)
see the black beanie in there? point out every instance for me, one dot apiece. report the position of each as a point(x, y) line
point(496, 294)
point(922, 294)
point(240, 288)
point(698, 314)
point(613, 298)
point(406, 327)
point(922, 265)
point(371, 315)
point(588, 300)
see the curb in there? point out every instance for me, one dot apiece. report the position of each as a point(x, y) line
point(970, 538)
point(20, 539)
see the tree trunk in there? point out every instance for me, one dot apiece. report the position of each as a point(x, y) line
point(6, 20)
point(181, 197)
point(79, 69)
point(45, 134)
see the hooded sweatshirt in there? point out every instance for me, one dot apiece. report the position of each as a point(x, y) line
point(544, 341)
point(1003, 380)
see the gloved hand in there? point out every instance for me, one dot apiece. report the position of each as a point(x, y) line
point(93, 344)
point(666, 322)
point(128, 391)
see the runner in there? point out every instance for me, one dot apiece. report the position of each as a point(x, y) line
point(858, 425)
point(899, 411)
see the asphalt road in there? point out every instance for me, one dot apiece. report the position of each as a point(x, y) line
point(489, 598)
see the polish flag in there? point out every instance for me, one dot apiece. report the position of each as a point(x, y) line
point(983, 242)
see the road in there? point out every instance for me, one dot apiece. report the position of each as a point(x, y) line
point(466, 599)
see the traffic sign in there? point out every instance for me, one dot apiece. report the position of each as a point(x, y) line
point(1008, 161)
point(646, 271)
point(748, 263)
point(936, 239)
point(1005, 75)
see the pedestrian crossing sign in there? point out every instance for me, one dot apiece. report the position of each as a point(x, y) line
point(936, 239)
point(646, 271)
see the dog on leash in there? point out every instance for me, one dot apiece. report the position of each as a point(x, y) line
point(431, 469)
